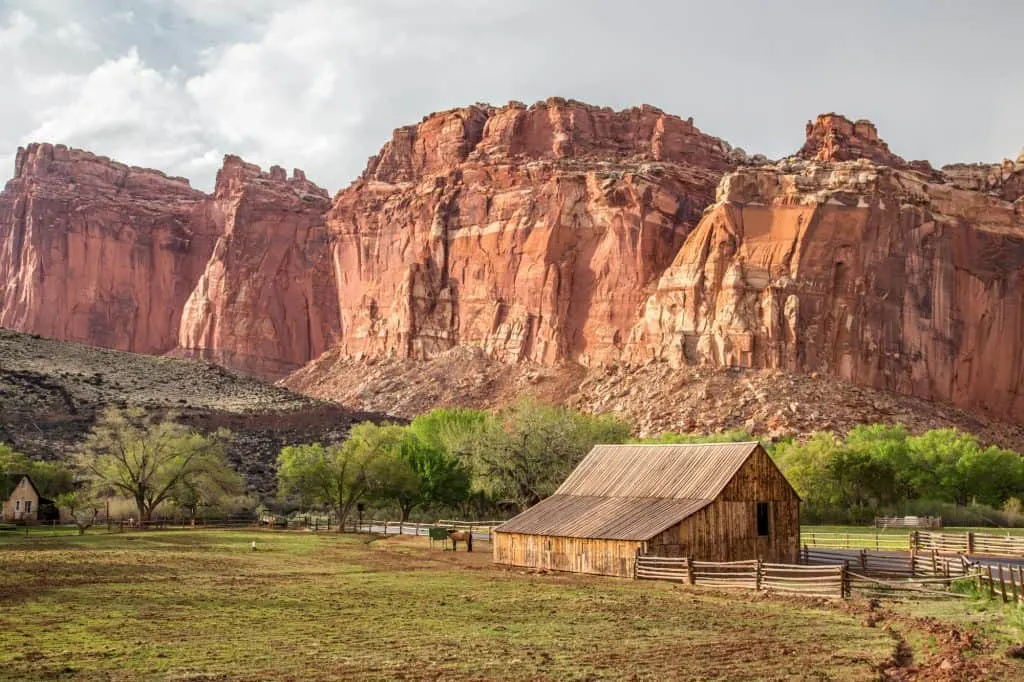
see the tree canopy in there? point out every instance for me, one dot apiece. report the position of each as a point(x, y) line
point(152, 461)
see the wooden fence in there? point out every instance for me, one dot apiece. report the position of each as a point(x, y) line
point(908, 522)
point(825, 581)
point(481, 532)
point(875, 541)
point(967, 542)
point(913, 564)
point(1006, 581)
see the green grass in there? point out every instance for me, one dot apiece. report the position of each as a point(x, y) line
point(199, 605)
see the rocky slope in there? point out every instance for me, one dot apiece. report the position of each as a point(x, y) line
point(52, 391)
point(654, 397)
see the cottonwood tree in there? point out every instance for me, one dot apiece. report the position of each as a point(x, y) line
point(150, 460)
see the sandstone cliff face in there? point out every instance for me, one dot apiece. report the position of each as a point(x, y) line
point(870, 273)
point(531, 233)
point(266, 303)
point(98, 252)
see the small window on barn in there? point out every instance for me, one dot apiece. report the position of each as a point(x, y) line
point(762, 519)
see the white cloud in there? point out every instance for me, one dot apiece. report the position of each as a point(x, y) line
point(319, 84)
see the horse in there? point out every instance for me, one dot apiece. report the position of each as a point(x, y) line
point(461, 535)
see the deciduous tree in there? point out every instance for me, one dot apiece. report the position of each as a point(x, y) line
point(149, 460)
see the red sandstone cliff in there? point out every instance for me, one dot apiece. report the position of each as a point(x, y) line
point(551, 234)
point(532, 233)
point(266, 302)
point(98, 252)
point(872, 273)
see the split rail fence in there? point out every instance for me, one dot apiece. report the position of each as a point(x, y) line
point(825, 581)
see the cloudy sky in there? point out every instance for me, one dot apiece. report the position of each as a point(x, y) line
point(320, 84)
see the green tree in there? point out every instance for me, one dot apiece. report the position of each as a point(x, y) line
point(526, 451)
point(341, 475)
point(991, 476)
point(935, 473)
point(148, 460)
point(449, 430)
point(82, 506)
point(418, 473)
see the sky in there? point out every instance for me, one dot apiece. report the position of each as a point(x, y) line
point(320, 84)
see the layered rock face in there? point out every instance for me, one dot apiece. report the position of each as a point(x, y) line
point(95, 251)
point(558, 234)
point(266, 302)
point(875, 274)
point(532, 233)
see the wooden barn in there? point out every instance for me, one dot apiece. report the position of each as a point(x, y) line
point(714, 502)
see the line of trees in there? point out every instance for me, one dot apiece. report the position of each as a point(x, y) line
point(469, 461)
point(477, 463)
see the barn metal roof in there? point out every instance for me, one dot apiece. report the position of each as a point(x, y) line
point(633, 492)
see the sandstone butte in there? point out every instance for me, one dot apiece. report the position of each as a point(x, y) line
point(558, 234)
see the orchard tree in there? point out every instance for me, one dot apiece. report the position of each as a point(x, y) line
point(337, 476)
point(150, 460)
point(417, 473)
point(525, 452)
point(82, 506)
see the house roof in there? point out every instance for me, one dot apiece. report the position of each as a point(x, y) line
point(9, 482)
point(633, 492)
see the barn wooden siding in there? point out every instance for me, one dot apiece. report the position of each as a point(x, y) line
point(726, 530)
point(575, 555)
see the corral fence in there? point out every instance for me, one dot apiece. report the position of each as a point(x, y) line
point(927, 522)
point(967, 542)
point(913, 564)
point(823, 581)
point(482, 531)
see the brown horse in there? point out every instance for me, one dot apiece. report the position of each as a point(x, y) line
point(461, 535)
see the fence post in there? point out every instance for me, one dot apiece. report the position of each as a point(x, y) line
point(970, 542)
point(991, 583)
point(1002, 583)
point(689, 571)
point(864, 560)
point(913, 562)
point(844, 581)
point(915, 541)
point(758, 574)
point(807, 554)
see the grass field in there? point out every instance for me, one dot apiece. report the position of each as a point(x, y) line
point(199, 605)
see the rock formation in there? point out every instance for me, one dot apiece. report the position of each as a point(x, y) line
point(266, 303)
point(532, 233)
point(98, 252)
point(871, 273)
point(558, 235)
